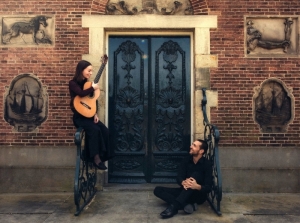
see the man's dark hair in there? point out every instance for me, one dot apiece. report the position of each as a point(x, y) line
point(204, 145)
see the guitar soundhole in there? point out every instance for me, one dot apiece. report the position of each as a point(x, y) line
point(85, 105)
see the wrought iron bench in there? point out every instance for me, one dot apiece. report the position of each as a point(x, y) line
point(85, 174)
point(212, 136)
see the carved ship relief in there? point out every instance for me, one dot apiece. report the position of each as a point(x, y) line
point(273, 106)
point(24, 103)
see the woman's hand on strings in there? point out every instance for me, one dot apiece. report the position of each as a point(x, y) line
point(96, 119)
point(95, 86)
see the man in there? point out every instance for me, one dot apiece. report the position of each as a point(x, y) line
point(194, 177)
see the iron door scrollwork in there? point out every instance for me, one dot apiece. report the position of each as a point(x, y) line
point(171, 106)
point(128, 116)
point(149, 107)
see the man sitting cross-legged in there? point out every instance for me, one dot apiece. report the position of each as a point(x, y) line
point(195, 180)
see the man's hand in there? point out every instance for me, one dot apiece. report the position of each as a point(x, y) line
point(191, 183)
point(185, 184)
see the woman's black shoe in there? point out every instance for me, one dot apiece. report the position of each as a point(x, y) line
point(100, 166)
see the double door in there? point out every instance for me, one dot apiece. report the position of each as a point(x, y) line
point(149, 107)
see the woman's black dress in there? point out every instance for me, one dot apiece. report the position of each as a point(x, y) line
point(97, 134)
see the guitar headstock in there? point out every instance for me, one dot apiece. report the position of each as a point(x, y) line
point(104, 59)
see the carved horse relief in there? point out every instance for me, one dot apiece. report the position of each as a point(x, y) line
point(27, 31)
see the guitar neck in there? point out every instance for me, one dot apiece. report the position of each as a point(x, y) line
point(97, 78)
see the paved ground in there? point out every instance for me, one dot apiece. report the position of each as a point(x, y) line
point(135, 203)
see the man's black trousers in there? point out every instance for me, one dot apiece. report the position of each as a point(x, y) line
point(179, 196)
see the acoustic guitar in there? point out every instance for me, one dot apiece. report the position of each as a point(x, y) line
point(86, 106)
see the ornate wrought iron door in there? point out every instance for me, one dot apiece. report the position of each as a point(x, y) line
point(149, 107)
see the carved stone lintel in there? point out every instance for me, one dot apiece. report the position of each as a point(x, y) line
point(148, 7)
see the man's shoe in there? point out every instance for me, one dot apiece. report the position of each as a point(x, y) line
point(169, 212)
point(190, 208)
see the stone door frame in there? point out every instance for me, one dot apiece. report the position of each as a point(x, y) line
point(100, 26)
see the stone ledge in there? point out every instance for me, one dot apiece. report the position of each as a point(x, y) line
point(260, 180)
point(260, 157)
point(40, 180)
point(37, 156)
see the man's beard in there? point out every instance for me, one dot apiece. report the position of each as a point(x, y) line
point(195, 154)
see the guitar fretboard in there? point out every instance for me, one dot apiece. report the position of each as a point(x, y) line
point(97, 78)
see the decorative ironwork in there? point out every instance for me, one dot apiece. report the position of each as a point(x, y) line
point(126, 180)
point(272, 106)
point(127, 164)
point(255, 38)
point(168, 165)
point(128, 97)
point(164, 180)
point(170, 105)
point(212, 136)
point(85, 174)
point(148, 7)
point(149, 109)
point(129, 101)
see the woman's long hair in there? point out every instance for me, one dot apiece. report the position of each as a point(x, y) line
point(79, 68)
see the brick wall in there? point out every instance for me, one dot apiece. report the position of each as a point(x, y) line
point(236, 76)
point(234, 79)
point(54, 66)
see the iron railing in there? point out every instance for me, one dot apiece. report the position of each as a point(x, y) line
point(212, 137)
point(85, 174)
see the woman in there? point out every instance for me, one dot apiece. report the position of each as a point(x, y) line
point(96, 132)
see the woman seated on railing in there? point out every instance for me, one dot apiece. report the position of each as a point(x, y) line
point(96, 132)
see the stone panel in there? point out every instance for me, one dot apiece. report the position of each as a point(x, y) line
point(273, 106)
point(26, 103)
point(271, 36)
point(206, 61)
point(20, 31)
